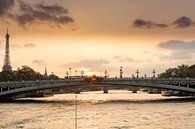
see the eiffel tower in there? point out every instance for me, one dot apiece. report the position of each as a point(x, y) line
point(7, 64)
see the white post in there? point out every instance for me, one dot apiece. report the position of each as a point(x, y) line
point(188, 84)
point(75, 111)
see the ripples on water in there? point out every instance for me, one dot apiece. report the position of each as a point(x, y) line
point(116, 110)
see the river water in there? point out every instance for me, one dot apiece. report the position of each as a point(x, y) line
point(116, 110)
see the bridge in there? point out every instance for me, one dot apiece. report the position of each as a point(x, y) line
point(12, 90)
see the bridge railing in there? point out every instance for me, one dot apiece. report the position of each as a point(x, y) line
point(7, 86)
point(183, 82)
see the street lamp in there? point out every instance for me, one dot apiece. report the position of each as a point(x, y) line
point(145, 76)
point(70, 71)
point(121, 72)
point(75, 73)
point(105, 73)
point(82, 74)
point(67, 74)
point(154, 73)
point(137, 73)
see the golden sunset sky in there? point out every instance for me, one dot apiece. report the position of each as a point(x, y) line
point(94, 35)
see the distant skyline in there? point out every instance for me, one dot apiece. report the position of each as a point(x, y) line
point(94, 35)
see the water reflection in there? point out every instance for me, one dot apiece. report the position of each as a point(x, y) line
point(72, 102)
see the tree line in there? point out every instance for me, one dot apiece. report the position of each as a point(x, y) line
point(181, 71)
point(25, 73)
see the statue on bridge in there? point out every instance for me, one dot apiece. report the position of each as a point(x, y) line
point(121, 72)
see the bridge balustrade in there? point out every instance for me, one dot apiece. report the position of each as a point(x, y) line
point(165, 82)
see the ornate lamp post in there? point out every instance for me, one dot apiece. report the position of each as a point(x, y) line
point(133, 76)
point(137, 73)
point(67, 73)
point(75, 73)
point(82, 74)
point(145, 76)
point(154, 73)
point(121, 72)
point(105, 73)
point(70, 71)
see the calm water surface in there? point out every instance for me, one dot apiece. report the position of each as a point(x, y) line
point(116, 110)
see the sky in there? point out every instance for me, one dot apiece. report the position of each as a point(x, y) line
point(94, 35)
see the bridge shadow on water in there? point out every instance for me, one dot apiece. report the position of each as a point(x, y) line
point(169, 100)
point(95, 102)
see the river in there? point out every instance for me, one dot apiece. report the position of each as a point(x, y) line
point(116, 110)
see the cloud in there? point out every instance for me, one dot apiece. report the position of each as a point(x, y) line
point(183, 22)
point(127, 59)
point(139, 23)
point(117, 57)
point(177, 45)
point(87, 63)
point(27, 45)
point(180, 55)
point(146, 52)
point(180, 50)
point(177, 55)
point(5, 5)
point(41, 13)
point(38, 62)
point(28, 14)
point(75, 29)
point(53, 9)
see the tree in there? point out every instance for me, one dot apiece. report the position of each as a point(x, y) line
point(53, 77)
point(24, 74)
point(171, 72)
point(192, 71)
point(7, 76)
point(181, 71)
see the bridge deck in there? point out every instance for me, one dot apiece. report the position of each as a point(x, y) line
point(10, 89)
